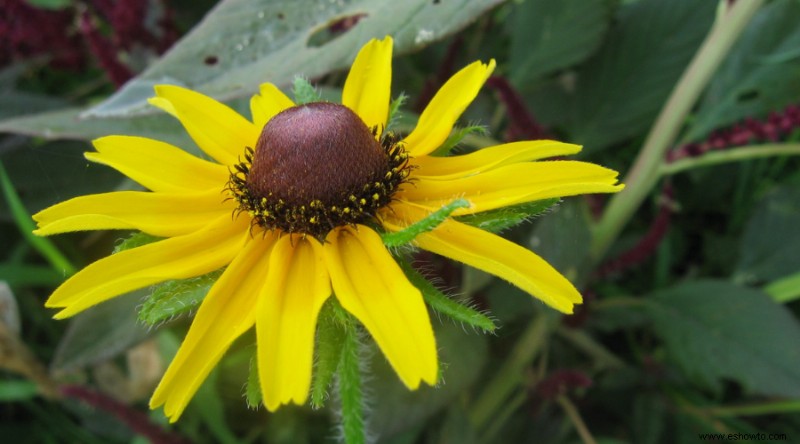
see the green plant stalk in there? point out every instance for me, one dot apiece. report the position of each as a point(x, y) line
point(510, 374)
point(575, 417)
point(643, 175)
point(25, 224)
point(350, 393)
point(732, 155)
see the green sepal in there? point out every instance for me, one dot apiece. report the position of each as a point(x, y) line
point(502, 218)
point(305, 92)
point(456, 137)
point(173, 298)
point(445, 305)
point(137, 239)
point(428, 223)
point(330, 340)
point(252, 390)
point(394, 110)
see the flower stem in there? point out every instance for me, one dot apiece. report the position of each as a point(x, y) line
point(510, 375)
point(23, 220)
point(733, 155)
point(643, 175)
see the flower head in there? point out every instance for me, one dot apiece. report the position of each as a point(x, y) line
point(293, 205)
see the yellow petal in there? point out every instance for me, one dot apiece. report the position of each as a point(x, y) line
point(500, 257)
point(489, 158)
point(297, 285)
point(225, 314)
point(513, 184)
point(267, 103)
point(217, 129)
point(445, 108)
point(176, 258)
point(370, 285)
point(157, 165)
point(159, 214)
point(367, 89)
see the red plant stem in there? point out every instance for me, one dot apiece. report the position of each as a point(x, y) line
point(137, 421)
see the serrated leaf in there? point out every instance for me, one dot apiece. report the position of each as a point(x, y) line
point(760, 74)
point(428, 223)
point(243, 43)
point(174, 298)
point(442, 304)
point(547, 36)
point(507, 217)
point(716, 330)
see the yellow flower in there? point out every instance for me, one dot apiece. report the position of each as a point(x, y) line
point(292, 203)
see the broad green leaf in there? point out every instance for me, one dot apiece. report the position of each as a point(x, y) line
point(243, 43)
point(394, 408)
point(101, 332)
point(547, 36)
point(715, 330)
point(771, 241)
point(618, 92)
point(72, 123)
point(759, 75)
point(562, 238)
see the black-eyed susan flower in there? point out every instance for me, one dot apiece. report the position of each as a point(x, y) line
point(293, 204)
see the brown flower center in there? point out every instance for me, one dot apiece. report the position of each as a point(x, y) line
point(317, 166)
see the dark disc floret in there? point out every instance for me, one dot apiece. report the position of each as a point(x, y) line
point(316, 167)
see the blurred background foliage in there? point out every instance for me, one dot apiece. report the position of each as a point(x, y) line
point(691, 317)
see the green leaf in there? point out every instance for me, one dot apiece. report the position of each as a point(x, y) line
point(547, 36)
point(329, 343)
point(562, 238)
point(101, 332)
point(15, 390)
point(72, 123)
point(243, 43)
point(395, 113)
point(760, 74)
point(462, 357)
point(304, 92)
point(174, 298)
point(618, 92)
point(786, 289)
point(507, 217)
point(715, 329)
point(771, 240)
point(426, 224)
point(442, 304)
